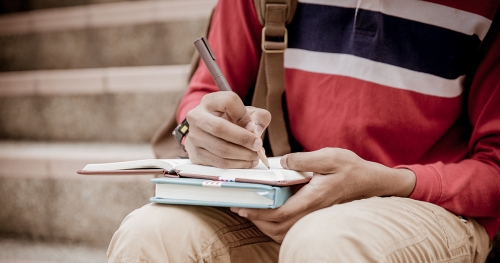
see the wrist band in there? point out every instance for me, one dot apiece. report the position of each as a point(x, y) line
point(180, 132)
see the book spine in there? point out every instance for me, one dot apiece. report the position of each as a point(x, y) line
point(281, 195)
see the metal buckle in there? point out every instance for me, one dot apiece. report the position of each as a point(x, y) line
point(285, 42)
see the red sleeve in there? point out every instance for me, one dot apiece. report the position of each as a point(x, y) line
point(472, 186)
point(234, 37)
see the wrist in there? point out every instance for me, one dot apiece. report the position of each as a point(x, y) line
point(391, 181)
point(183, 142)
point(407, 180)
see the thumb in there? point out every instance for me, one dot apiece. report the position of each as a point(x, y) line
point(259, 120)
point(320, 161)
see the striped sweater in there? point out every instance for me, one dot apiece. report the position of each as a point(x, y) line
point(390, 80)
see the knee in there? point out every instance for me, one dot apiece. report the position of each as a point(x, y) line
point(155, 232)
point(327, 236)
point(154, 221)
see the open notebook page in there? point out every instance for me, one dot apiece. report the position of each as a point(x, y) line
point(166, 164)
point(260, 172)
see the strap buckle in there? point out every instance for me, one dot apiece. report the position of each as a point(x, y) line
point(274, 46)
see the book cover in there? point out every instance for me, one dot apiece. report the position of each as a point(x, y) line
point(192, 191)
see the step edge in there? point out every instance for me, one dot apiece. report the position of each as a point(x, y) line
point(61, 160)
point(103, 15)
point(97, 81)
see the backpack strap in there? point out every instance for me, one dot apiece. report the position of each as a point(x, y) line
point(260, 6)
point(270, 84)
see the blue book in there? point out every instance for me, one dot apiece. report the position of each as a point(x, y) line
point(192, 191)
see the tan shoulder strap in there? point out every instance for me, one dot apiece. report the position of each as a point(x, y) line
point(260, 6)
point(270, 84)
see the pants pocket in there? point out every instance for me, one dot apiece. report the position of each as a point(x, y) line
point(419, 232)
point(457, 230)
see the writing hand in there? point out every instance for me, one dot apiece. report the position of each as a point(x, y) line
point(339, 176)
point(221, 131)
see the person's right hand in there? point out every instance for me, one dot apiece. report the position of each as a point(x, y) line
point(221, 131)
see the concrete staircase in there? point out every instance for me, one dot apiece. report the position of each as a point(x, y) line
point(83, 81)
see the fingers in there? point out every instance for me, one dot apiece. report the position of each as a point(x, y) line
point(221, 148)
point(255, 128)
point(225, 133)
point(276, 231)
point(322, 191)
point(207, 118)
point(296, 205)
point(202, 156)
point(202, 121)
point(276, 222)
point(209, 150)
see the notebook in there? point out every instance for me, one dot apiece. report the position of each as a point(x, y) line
point(184, 168)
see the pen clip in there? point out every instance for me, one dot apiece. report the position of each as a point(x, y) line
point(205, 42)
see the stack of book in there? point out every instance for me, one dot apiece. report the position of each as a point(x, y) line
point(182, 182)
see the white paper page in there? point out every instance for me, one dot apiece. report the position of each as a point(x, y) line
point(166, 164)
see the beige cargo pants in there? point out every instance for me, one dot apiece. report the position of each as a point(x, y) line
point(370, 230)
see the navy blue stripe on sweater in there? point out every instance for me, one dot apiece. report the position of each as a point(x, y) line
point(382, 38)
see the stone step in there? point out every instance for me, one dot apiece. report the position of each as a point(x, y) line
point(23, 6)
point(132, 33)
point(108, 104)
point(29, 251)
point(43, 198)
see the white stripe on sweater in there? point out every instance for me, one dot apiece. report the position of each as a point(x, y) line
point(372, 71)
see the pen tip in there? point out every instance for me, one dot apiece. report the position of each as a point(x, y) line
point(266, 163)
point(263, 158)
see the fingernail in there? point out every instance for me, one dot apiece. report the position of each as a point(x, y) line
point(257, 144)
point(284, 161)
point(258, 129)
point(255, 163)
point(250, 126)
point(242, 213)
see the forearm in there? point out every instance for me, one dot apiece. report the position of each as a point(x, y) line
point(374, 179)
point(391, 181)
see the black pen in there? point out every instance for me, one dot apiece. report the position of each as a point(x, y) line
point(209, 58)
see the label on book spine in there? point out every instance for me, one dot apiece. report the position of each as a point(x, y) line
point(227, 179)
point(212, 183)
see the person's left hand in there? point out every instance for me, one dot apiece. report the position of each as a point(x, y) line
point(339, 176)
